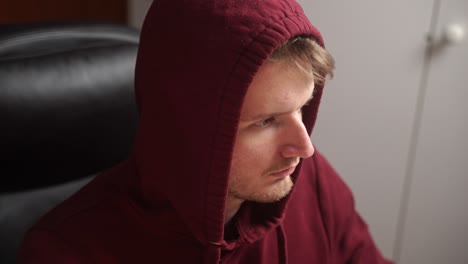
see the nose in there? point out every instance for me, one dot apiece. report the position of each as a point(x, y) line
point(298, 142)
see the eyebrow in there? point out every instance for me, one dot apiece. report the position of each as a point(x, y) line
point(265, 115)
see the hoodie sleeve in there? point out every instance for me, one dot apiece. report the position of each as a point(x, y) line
point(349, 236)
point(41, 246)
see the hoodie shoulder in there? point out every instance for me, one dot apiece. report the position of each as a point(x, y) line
point(42, 246)
point(348, 234)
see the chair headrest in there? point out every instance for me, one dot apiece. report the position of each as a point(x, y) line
point(67, 107)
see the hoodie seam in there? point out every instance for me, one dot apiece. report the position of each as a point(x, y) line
point(80, 210)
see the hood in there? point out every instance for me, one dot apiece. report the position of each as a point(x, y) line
point(195, 63)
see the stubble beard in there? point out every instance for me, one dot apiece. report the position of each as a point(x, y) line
point(269, 194)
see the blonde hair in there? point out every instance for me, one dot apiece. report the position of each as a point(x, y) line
point(307, 56)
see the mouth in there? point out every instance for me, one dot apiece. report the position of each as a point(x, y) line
point(283, 173)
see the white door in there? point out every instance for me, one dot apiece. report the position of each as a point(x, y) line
point(436, 227)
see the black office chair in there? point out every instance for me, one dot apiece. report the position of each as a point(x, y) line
point(67, 112)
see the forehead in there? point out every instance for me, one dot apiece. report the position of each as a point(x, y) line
point(277, 86)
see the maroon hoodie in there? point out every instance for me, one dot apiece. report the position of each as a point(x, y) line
point(166, 203)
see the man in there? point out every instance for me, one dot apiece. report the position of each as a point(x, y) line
point(223, 169)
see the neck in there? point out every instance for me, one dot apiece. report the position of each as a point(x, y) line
point(232, 206)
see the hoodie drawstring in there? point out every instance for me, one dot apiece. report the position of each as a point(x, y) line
point(283, 257)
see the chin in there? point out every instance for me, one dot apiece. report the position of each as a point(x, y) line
point(275, 192)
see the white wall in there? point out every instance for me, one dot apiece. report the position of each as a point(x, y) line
point(366, 119)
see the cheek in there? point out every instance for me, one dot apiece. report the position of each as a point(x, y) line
point(248, 164)
point(244, 155)
point(254, 152)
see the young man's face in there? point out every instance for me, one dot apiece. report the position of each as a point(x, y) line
point(271, 137)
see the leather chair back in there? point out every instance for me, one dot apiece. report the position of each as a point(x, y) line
point(67, 112)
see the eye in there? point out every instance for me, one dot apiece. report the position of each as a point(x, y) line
point(265, 122)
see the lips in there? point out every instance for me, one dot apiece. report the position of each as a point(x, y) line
point(284, 172)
